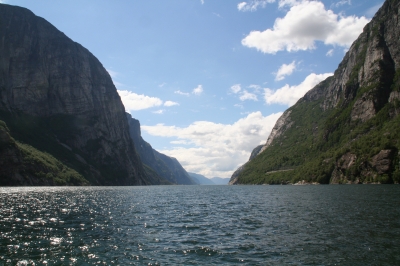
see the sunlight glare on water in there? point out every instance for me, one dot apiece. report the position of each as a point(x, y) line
point(200, 225)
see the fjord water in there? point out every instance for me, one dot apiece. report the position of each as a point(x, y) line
point(201, 225)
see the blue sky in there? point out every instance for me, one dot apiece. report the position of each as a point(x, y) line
point(206, 78)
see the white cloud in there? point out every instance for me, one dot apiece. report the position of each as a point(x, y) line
point(244, 94)
point(285, 70)
point(236, 88)
point(241, 6)
point(248, 96)
point(219, 148)
point(283, 3)
point(254, 87)
point(162, 84)
point(202, 2)
point(253, 5)
point(134, 102)
point(289, 95)
point(330, 52)
point(305, 23)
point(198, 90)
point(170, 103)
point(180, 142)
point(182, 93)
point(342, 2)
point(159, 112)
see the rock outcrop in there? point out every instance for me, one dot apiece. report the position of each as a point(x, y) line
point(166, 167)
point(346, 128)
point(56, 96)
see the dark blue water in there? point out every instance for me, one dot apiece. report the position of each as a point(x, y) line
point(201, 225)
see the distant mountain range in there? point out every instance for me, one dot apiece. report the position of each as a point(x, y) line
point(62, 121)
point(202, 180)
point(347, 128)
point(166, 167)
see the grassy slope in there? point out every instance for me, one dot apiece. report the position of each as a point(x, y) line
point(32, 164)
point(317, 138)
point(312, 158)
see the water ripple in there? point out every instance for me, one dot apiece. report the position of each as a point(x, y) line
point(200, 225)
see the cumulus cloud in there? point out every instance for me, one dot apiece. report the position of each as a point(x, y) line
point(245, 94)
point(285, 70)
point(219, 149)
point(170, 103)
point(198, 90)
point(289, 95)
point(236, 88)
point(248, 96)
point(305, 23)
point(182, 93)
point(253, 5)
point(134, 102)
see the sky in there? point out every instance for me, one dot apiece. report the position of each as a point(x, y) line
point(207, 79)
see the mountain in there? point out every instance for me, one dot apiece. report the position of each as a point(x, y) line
point(347, 128)
point(220, 180)
point(58, 98)
point(166, 167)
point(201, 179)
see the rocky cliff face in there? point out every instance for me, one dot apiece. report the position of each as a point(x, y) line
point(59, 85)
point(166, 167)
point(346, 128)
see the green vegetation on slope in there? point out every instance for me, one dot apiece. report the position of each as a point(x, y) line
point(52, 135)
point(44, 166)
point(313, 158)
point(317, 139)
point(31, 166)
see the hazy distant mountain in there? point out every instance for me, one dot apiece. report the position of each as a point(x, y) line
point(220, 180)
point(201, 179)
point(166, 167)
point(347, 128)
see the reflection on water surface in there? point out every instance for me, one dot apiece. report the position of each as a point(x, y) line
point(200, 225)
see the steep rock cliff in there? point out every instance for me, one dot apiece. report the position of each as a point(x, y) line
point(347, 127)
point(55, 95)
point(166, 167)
